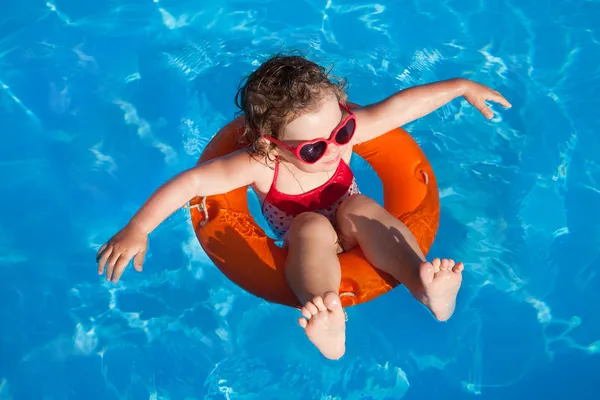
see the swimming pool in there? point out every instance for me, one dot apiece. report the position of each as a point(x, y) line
point(101, 102)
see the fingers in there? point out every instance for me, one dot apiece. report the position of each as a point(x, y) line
point(138, 260)
point(478, 100)
point(498, 98)
point(100, 251)
point(115, 262)
point(114, 256)
point(120, 267)
point(104, 258)
point(110, 265)
point(484, 109)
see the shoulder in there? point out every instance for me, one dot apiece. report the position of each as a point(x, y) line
point(242, 157)
point(366, 123)
point(237, 162)
point(259, 166)
point(373, 120)
point(263, 171)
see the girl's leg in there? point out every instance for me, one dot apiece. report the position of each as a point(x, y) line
point(390, 246)
point(313, 272)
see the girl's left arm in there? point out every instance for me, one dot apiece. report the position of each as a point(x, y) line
point(413, 103)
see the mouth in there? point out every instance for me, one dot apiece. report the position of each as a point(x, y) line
point(332, 161)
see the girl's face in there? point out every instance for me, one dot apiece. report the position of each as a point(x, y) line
point(317, 124)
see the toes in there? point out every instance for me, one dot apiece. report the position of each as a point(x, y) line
point(426, 272)
point(332, 301)
point(306, 313)
point(311, 308)
point(436, 265)
point(302, 322)
point(318, 302)
point(445, 265)
point(458, 267)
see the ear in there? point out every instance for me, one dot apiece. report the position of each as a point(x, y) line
point(260, 144)
point(264, 144)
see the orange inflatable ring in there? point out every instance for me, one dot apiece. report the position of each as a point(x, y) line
point(248, 257)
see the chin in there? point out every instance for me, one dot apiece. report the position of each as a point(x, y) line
point(331, 165)
point(314, 168)
point(324, 166)
point(310, 169)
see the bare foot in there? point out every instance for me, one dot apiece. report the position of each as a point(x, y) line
point(325, 325)
point(441, 280)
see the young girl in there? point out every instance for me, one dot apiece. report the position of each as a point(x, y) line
point(301, 136)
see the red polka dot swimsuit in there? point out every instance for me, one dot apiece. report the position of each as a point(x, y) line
point(279, 209)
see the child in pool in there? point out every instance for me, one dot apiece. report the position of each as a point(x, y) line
point(301, 136)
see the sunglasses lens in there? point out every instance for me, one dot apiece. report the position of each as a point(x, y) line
point(313, 152)
point(345, 133)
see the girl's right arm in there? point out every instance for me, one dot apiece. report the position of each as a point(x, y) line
point(217, 176)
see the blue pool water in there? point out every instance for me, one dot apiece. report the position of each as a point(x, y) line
point(101, 102)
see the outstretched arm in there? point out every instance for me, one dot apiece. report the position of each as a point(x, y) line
point(413, 103)
point(217, 176)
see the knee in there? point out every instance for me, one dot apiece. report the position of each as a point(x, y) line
point(352, 212)
point(310, 224)
point(357, 205)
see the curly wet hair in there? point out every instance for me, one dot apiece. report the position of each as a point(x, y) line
point(280, 90)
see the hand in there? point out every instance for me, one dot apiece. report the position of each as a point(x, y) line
point(476, 94)
point(118, 251)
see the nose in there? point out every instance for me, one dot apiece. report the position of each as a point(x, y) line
point(332, 151)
